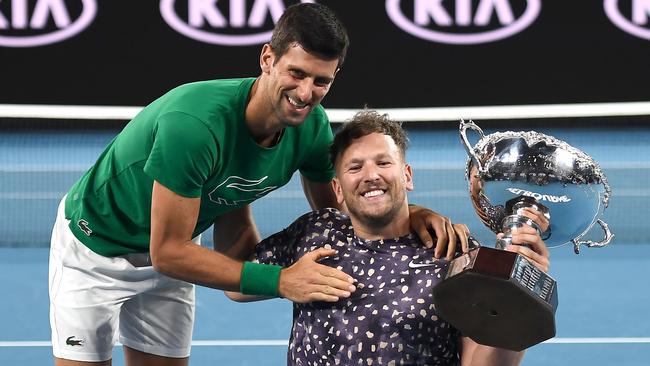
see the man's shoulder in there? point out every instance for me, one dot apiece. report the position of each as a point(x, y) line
point(327, 224)
point(326, 216)
point(233, 83)
point(206, 97)
point(310, 231)
point(216, 104)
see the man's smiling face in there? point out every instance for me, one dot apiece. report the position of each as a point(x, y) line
point(372, 179)
point(298, 81)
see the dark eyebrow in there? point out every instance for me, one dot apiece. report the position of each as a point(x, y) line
point(383, 156)
point(378, 156)
point(353, 161)
point(325, 78)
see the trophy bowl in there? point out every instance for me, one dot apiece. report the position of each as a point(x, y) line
point(499, 298)
point(560, 179)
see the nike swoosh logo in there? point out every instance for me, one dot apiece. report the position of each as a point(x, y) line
point(420, 265)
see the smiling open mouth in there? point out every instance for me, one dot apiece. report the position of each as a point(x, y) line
point(373, 193)
point(297, 104)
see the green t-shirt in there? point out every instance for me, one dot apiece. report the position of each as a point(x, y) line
point(194, 141)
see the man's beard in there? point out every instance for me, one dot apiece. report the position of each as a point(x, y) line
point(376, 220)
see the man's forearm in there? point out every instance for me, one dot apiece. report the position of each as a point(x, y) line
point(490, 356)
point(193, 263)
point(235, 234)
point(474, 354)
point(239, 297)
point(319, 195)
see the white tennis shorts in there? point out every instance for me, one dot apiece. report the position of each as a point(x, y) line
point(94, 299)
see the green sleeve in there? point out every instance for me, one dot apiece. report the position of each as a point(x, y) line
point(183, 154)
point(317, 166)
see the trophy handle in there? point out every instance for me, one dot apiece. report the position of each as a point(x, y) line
point(464, 125)
point(590, 243)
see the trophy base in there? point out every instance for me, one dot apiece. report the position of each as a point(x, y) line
point(498, 298)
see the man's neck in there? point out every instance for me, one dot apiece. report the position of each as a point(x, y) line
point(262, 125)
point(398, 226)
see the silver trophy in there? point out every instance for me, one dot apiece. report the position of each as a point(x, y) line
point(499, 298)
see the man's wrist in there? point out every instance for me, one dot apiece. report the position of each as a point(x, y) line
point(260, 279)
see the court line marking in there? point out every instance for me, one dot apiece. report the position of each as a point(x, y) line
point(340, 115)
point(282, 342)
point(598, 340)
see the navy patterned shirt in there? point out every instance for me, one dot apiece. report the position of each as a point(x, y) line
point(389, 320)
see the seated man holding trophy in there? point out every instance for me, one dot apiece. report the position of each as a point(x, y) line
point(391, 318)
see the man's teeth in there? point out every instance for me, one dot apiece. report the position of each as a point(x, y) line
point(374, 193)
point(296, 103)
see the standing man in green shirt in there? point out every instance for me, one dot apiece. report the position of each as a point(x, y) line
point(124, 252)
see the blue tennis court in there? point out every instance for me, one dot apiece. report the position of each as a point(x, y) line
point(603, 293)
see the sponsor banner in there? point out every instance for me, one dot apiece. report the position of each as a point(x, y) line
point(404, 53)
point(201, 12)
point(465, 15)
point(28, 26)
point(631, 16)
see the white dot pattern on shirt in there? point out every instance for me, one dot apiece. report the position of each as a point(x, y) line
point(389, 320)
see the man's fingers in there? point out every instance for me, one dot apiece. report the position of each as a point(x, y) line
point(530, 241)
point(536, 251)
point(318, 296)
point(319, 254)
point(528, 236)
point(442, 238)
point(420, 222)
point(307, 280)
point(332, 291)
point(538, 260)
point(536, 216)
point(328, 287)
point(453, 239)
point(462, 231)
point(334, 278)
point(425, 236)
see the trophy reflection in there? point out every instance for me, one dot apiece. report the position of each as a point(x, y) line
point(499, 298)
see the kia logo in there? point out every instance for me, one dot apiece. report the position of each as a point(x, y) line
point(205, 22)
point(426, 12)
point(22, 25)
point(640, 11)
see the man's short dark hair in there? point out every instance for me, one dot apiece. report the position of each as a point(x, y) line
point(364, 123)
point(315, 28)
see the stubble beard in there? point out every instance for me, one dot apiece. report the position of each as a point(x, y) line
point(375, 220)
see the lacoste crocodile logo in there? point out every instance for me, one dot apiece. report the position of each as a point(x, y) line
point(248, 190)
point(70, 341)
point(83, 225)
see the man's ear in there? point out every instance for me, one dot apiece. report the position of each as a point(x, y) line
point(338, 191)
point(267, 57)
point(408, 176)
